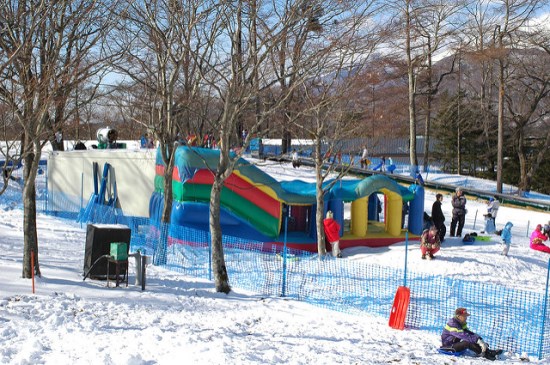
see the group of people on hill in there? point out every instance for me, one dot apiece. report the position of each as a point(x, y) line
point(365, 161)
point(434, 235)
point(431, 238)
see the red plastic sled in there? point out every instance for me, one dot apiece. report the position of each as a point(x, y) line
point(399, 308)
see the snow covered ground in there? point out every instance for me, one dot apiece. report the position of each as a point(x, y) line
point(182, 320)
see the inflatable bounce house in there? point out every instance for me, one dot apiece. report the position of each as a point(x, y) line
point(255, 206)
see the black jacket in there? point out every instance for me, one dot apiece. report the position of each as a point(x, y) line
point(437, 214)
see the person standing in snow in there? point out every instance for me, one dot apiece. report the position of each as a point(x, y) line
point(429, 243)
point(506, 236)
point(332, 233)
point(492, 210)
point(459, 212)
point(438, 218)
point(537, 239)
point(458, 337)
point(365, 158)
point(295, 159)
point(546, 229)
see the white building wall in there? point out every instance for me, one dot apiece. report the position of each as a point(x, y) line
point(70, 178)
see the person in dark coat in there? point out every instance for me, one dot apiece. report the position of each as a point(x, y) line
point(459, 212)
point(438, 218)
point(458, 337)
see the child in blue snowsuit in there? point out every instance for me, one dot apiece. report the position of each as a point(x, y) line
point(506, 236)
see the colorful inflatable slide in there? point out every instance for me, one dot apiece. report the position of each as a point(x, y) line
point(255, 206)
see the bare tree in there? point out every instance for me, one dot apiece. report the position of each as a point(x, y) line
point(478, 43)
point(10, 148)
point(527, 101)
point(305, 23)
point(515, 15)
point(426, 27)
point(329, 111)
point(437, 24)
point(48, 49)
point(164, 43)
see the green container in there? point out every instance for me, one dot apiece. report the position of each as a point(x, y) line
point(119, 251)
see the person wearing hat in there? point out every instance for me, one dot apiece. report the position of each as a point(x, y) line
point(459, 212)
point(332, 233)
point(457, 337)
point(537, 239)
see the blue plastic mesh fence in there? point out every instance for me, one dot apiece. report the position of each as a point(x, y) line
point(508, 318)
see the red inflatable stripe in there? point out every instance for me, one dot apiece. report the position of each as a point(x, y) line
point(242, 188)
point(159, 170)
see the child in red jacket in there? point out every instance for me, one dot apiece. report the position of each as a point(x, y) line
point(332, 233)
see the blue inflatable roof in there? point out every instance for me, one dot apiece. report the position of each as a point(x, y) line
point(190, 159)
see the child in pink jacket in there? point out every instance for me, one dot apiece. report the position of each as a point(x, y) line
point(537, 239)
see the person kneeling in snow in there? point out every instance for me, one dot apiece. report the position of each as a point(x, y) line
point(537, 239)
point(429, 243)
point(457, 337)
point(506, 236)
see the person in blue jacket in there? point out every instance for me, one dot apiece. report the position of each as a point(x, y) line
point(458, 337)
point(506, 237)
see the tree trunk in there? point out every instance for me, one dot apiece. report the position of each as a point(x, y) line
point(221, 278)
point(168, 200)
point(319, 214)
point(500, 141)
point(29, 221)
point(411, 93)
point(287, 138)
point(412, 123)
point(427, 133)
point(162, 244)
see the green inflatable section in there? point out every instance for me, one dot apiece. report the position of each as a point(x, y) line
point(263, 221)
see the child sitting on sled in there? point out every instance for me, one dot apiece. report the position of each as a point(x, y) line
point(456, 337)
